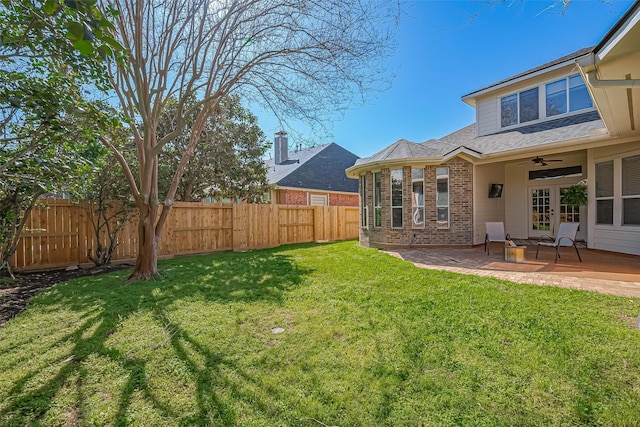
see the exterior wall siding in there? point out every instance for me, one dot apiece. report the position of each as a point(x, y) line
point(460, 231)
point(486, 209)
point(487, 116)
point(614, 237)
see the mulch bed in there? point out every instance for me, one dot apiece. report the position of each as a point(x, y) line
point(15, 294)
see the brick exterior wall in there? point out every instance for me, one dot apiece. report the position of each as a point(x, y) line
point(460, 231)
point(301, 198)
point(340, 199)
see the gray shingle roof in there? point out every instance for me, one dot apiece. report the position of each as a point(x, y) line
point(563, 129)
point(403, 149)
point(538, 134)
point(572, 56)
point(318, 168)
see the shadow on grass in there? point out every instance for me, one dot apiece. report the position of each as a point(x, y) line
point(101, 306)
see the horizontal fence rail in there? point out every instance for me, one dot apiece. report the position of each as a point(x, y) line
point(58, 233)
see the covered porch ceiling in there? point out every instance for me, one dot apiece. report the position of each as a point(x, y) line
point(612, 75)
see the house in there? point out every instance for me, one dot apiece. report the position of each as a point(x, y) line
point(573, 120)
point(313, 176)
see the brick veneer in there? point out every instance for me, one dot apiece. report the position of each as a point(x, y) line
point(460, 231)
point(301, 198)
point(340, 199)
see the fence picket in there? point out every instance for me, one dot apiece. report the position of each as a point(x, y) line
point(58, 233)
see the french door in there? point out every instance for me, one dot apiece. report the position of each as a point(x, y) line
point(547, 211)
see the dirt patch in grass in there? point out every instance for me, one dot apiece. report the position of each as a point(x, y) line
point(630, 321)
point(15, 293)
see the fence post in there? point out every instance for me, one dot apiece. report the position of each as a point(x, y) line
point(234, 234)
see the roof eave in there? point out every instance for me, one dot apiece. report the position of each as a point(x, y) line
point(471, 97)
point(355, 171)
point(617, 31)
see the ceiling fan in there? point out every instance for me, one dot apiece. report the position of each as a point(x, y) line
point(542, 161)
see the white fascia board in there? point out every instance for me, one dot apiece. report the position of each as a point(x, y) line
point(614, 39)
point(470, 99)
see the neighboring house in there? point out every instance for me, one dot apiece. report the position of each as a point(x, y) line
point(313, 176)
point(574, 119)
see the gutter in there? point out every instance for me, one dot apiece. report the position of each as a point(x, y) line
point(594, 82)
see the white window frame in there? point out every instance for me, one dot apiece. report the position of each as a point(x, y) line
point(567, 94)
point(626, 196)
point(611, 197)
point(363, 202)
point(377, 199)
point(518, 95)
point(439, 223)
point(400, 207)
point(417, 205)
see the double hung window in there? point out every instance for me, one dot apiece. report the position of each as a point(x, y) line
point(442, 197)
point(363, 202)
point(417, 198)
point(396, 198)
point(377, 199)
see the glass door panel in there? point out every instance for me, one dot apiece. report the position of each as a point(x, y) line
point(540, 223)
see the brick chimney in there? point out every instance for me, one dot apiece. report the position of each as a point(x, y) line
point(281, 147)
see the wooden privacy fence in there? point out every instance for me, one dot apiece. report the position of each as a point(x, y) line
point(59, 233)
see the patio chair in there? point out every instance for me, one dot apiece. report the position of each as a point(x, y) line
point(495, 233)
point(566, 236)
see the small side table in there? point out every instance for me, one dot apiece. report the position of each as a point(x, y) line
point(514, 253)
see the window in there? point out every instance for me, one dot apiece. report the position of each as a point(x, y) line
point(363, 201)
point(396, 198)
point(556, 173)
point(509, 110)
point(529, 105)
point(417, 198)
point(604, 192)
point(571, 92)
point(377, 199)
point(519, 108)
point(442, 197)
point(631, 190)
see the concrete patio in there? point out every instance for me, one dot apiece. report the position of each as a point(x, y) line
point(600, 271)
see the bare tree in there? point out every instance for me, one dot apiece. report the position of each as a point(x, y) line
point(303, 59)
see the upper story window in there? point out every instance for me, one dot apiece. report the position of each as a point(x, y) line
point(562, 96)
point(520, 107)
point(567, 95)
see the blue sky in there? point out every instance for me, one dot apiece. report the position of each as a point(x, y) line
point(447, 49)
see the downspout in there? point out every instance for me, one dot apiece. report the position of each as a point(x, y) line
point(594, 82)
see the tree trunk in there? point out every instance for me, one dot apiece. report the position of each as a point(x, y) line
point(147, 260)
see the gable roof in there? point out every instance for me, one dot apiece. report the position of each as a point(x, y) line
point(318, 168)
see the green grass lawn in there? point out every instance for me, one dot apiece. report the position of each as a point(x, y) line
point(369, 340)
